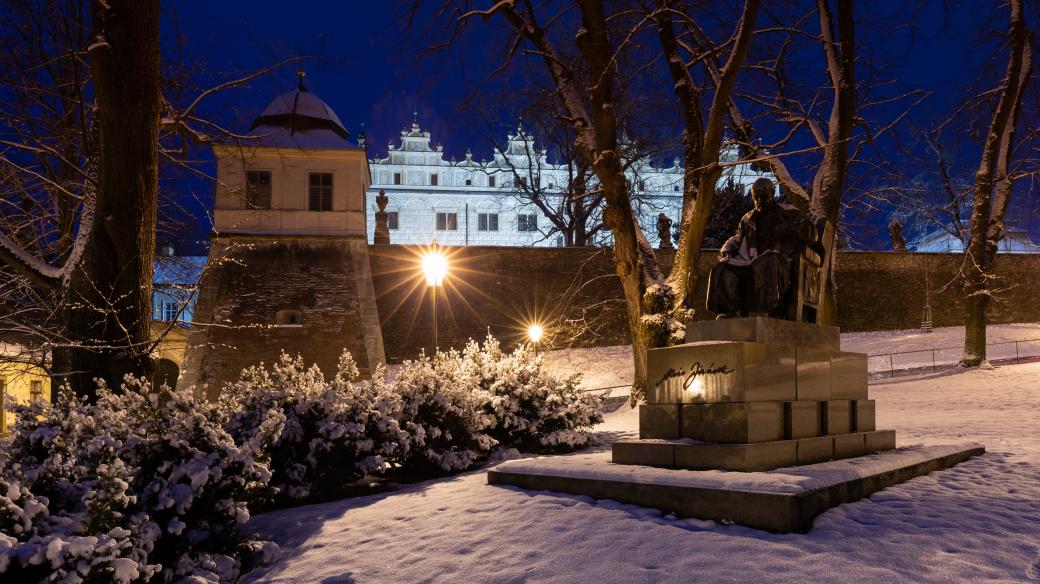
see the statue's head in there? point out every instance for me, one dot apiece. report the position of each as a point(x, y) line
point(762, 193)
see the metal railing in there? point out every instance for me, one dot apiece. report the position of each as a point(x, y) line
point(933, 365)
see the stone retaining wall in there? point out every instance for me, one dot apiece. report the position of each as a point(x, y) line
point(575, 293)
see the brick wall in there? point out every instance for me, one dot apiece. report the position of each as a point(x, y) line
point(574, 290)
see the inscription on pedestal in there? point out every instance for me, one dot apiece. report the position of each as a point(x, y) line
point(715, 372)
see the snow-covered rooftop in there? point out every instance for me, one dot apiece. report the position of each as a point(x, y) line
point(300, 119)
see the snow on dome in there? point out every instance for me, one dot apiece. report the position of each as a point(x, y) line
point(299, 110)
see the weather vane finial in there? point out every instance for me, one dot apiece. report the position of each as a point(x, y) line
point(301, 74)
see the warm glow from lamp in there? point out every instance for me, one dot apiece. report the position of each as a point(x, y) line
point(696, 385)
point(435, 267)
point(534, 332)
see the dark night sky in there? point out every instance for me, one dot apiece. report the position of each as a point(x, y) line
point(372, 69)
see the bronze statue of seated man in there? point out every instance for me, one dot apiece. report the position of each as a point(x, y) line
point(753, 275)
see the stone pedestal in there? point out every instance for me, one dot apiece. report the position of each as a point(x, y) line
point(749, 395)
point(752, 394)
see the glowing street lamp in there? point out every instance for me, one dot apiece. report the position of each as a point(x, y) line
point(434, 267)
point(534, 332)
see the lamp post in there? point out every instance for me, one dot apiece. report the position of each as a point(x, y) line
point(435, 267)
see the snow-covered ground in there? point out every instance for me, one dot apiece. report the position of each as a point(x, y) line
point(979, 521)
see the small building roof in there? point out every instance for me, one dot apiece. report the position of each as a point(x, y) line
point(300, 119)
point(178, 270)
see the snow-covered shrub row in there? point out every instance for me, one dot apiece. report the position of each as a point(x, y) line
point(316, 435)
point(443, 415)
point(143, 485)
point(532, 409)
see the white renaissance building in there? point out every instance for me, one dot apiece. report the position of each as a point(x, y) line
point(466, 202)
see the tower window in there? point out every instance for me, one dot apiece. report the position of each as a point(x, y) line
point(527, 222)
point(521, 181)
point(288, 318)
point(487, 221)
point(320, 191)
point(447, 221)
point(491, 181)
point(258, 189)
point(434, 179)
point(35, 390)
point(675, 188)
point(469, 182)
point(392, 220)
point(397, 178)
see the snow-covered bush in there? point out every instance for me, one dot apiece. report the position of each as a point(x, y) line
point(533, 409)
point(442, 414)
point(317, 435)
point(144, 485)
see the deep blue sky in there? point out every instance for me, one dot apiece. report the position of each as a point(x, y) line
point(373, 70)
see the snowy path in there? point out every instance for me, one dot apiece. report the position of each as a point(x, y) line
point(977, 521)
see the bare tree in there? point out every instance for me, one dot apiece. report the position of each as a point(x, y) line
point(564, 192)
point(81, 124)
point(993, 188)
point(586, 89)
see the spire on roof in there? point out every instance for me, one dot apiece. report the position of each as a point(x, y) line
point(301, 74)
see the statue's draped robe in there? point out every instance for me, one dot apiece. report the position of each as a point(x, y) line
point(754, 271)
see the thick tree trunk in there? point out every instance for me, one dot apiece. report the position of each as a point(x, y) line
point(109, 298)
point(634, 259)
point(987, 215)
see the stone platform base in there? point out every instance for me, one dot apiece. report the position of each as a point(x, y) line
point(758, 456)
point(783, 500)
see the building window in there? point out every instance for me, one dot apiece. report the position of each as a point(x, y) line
point(288, 318)
point(258, 189)
point(320, 191)
point(434, 179)
point(391, 220)
point(35, 390)
point(447, 221)
point(169, 310)
point(487, 221)
point(469, 182)
point(527, 222)
point(491, 181)
point(521, 181)
point(397, 178)
point(675, 188)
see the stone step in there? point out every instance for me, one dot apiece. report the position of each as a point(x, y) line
point(785, 500)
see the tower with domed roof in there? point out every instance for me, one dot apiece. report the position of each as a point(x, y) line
point(296, 172)
point(288, 267)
